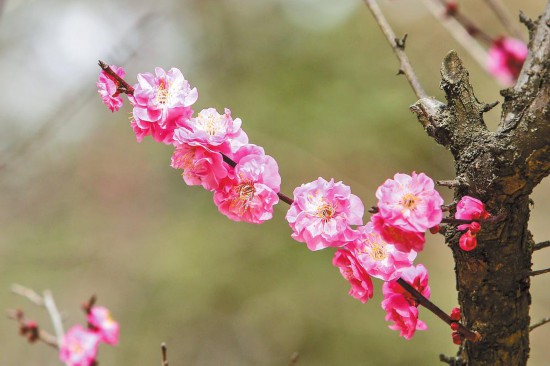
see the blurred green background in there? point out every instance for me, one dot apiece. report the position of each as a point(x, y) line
point(86, 210)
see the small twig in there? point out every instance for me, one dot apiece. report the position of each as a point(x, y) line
point(122, 85)
point(538, 272)
point(164, 351)
point(28, 293)
point(57, 322)
point(398, 48)
point(539, 323)
point(294, 359)
point(488, 106)
point(455, 183)
point(452, 361)
point(542, 245)
point(43, 336)
point(468, 334)
point(528, 22)
point(504, 16)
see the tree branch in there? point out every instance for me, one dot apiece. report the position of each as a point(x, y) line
point(164, 351)
point(539, 272)
point(398, 47)
point(539, 323)
point(542, 245)
point(57, 322)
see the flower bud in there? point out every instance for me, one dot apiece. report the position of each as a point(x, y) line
point(475, 227)
point(467, 242)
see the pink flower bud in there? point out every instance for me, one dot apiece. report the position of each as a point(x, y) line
point(467, 241)
point(454, 326)
point(475, 227)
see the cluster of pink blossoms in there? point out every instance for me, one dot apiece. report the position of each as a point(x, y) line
point(213, 152)
point(469, 208)
point(79, 345)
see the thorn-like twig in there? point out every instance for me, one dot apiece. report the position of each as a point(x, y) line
point(538, 272)
point(164, 351)
point(467, 333)
point(542, 245)
point(398, 47)
point(539, 323)
point(294, 359)
point(488, 106)
point(455, 183)
point(400, 42)
point(528, 22)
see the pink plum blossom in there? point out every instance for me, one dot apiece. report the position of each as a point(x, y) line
point(322, 213)
point(400, 306)
point(162, 103)
point(380, 259)
point(108, 88)
point(469, 208)
point(252, 193)
point(506, 58)
point(361, 284)
point(410, 202)
point(79, 347)
point(468, 241)
point(99, 318)
point(218, 132)
point(403, 240)
point(200, 165)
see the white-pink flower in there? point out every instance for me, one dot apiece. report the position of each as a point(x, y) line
point(410, 202)
point(79, 347)
point(322, 213)
point(218, 132)
point(200, 165)
point(350, 268)
point(378, 258)
point(252, 193)
point(108, 88)
point(162, 103)
point(99, 318)
point(505, 59)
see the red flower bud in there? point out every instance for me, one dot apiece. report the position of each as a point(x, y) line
point(467, 241)
point(451, 8)
point(435, 229)
point(457, 338)
point(455, 314)
point(475, 227)
point(454, 326)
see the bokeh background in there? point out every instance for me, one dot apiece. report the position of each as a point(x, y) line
point(86, 210)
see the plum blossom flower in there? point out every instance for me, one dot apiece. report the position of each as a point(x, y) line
point(79, 347)
point(378, 258)
point(403, 240)
point(252, 193)
point(322, 213)
point(361, 284)
point(469, 208)
point(400, 306)
point(218, 132)
point(162, 103)
point(506, 58)
point(99, 318)
point(468, 241)
point(108, 88)
point(410, 202)
point(200, 165)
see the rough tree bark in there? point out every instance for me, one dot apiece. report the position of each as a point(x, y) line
point(501, 168)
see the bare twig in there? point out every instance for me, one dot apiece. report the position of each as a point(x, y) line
point(57, 322)
point(294, 359)
point(43, 336)
point(455, 183)
point(505, 18)
point(468, 334)
point(541, 245)
point(398, 47)
point(27, 293)
point(539, 323)
point(539, 272)
point(457, 30)
point(528, 22)
point(164, 351)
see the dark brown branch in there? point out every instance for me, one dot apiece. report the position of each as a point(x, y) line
point(164, 351)
point(468, 334)
point(539, 272)
point(122, 85)
point(398, 47)
point(539, 323)
point(542, 245)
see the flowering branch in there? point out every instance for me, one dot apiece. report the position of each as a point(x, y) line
point(468, 334)
point(398, 46)
point(539, 323)
point(542, 245)
point(36, 332)
point(504, 16)
point(122, 86)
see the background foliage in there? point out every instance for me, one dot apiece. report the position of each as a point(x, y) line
point(87, 210)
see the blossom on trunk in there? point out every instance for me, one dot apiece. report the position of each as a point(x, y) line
point(400, 305)
point(107, 88)
point(162, 103)
point(100, 320)
point(350, 268)
point(252, 193)
point(505, 59)
point(410, 202)
point(200, 165)
point(322, 213)
point(379, 258)
point(403, 240)
point(470, 208)
point(79, 346)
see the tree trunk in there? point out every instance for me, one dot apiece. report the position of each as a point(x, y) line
point(500, 168)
